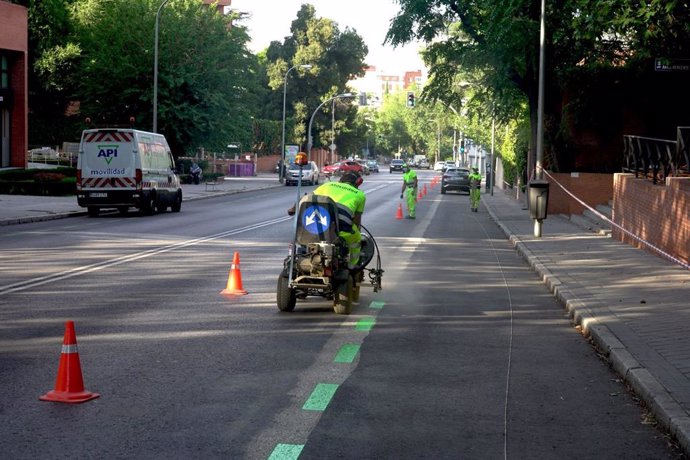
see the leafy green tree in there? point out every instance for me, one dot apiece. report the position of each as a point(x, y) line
point(493, 45)
point(53, 56)
point(336, 57)
point(205, 71)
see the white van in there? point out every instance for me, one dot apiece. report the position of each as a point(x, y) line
point(123, 168)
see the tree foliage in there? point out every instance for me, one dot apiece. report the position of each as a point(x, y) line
point(335, 56)
point(493, 45)
point(100, 53)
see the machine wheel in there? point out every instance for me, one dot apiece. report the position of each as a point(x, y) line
point(93, 211)
point(342, 299)
point(285, 297)
point(177, 204)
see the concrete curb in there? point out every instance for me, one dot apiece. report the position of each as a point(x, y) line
point(63, 215)
point(667, 411)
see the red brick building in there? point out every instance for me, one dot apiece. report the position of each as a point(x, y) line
point(13, 84)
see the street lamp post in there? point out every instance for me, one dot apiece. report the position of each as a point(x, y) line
point(311, 120)
point(538, 171)
point(155, 69)
point(281, 174)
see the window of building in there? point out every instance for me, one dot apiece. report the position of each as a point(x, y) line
point(4, 72)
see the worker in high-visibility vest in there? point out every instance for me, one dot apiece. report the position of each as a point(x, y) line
point(350, 201)
point(475, 189)
point(409, 191)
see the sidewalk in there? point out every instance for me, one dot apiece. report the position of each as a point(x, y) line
point(19, 209)
point(633, 304)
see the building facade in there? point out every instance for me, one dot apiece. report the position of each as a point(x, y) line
point(13, 84)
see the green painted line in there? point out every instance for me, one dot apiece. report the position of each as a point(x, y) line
point(320, 397)
point(377, 304)
point(365, 324)
point(286, 452)
point(347, 353)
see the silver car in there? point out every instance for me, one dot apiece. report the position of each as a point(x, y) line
point(310, 174)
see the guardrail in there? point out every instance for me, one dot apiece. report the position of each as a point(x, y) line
point(657, 158)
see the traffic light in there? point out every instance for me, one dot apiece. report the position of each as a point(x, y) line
point(410, 99)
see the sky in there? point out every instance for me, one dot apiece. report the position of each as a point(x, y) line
point(271, 20)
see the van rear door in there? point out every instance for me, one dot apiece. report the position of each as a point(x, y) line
point(107, 160)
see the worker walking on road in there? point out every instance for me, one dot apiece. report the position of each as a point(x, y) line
point(409, 190)
point(475, 189)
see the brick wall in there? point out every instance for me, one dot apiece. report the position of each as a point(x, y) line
point(658, 214)
point(593, 189)
point(14, 41)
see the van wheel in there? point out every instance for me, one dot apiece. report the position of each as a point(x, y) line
point(177, 204)
point(148, 207)
point(93, 211)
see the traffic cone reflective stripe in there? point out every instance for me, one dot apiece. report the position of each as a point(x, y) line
point(69, 385)
point(399, 214)
point(234, 286)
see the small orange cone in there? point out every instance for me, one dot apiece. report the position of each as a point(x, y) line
point(69, 385)
point(399, 214)
point(234, 286)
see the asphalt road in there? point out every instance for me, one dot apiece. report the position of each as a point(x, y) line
point(464, 354)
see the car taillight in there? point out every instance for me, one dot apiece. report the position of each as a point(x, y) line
point(78, 179)
point(138, 176)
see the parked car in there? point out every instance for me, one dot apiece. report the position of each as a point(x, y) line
point(455, 179)
point(439, 166)
point(365, 167)
point(423, 164)
point(310, 174)
point(396, 165)
point(373, 166)
point(351, 165)
point(331, 170)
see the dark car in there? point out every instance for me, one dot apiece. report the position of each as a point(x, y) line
point(396, 165)
point(455, 179)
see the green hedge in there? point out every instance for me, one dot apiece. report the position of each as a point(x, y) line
point(37, 188)
point(44, 182)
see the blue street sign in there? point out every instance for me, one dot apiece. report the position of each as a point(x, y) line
point(316, 219)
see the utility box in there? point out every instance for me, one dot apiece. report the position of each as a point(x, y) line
point(538, 199)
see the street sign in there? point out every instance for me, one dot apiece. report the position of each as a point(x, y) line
point(671, 65)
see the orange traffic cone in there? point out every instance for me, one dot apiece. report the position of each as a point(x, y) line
point(69, 386)
point(234, 286)
point(399, 214)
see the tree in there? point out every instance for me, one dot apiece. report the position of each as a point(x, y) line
point(336, 57)
point(53, 56)
point(205, 71)
point(493, 45)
